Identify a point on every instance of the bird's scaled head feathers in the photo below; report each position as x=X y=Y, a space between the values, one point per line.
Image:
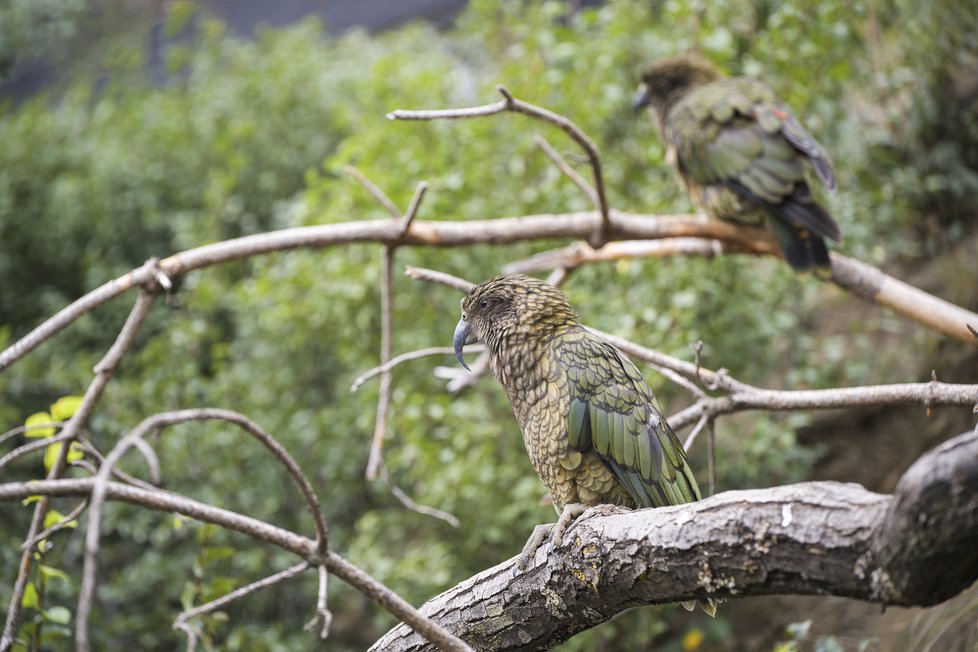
x=666 y=81
x=511 y=306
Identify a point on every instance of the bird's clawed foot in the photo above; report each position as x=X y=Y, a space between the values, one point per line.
x=552 y=532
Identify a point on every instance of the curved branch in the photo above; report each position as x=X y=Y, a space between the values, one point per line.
x=297 y=544
x=810 y=538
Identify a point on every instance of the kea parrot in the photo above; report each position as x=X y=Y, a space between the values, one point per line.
x=588 y=417
x=741 y=154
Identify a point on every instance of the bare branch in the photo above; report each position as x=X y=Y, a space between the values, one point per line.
x=19 y=430
x=432 y=276
x=568 y=171
x=323 y=618
x=386 y=351
x=374 y=190
x=153 y=424
x=103 y=373
x=581 y=253
x=812 y=538
x=304 y=547
x=406 y=357
x=413 y=207
x=440 y=233
x=510 y=103
x=408 y=502
x=57 y=527
x=254 y=587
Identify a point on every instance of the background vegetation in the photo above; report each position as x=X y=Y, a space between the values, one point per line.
x=122 y=160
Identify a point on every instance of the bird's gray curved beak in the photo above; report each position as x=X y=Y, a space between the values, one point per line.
x=461 y=339
x=641 y=98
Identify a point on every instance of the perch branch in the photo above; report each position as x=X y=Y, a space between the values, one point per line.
x=742 y=396
x=438 y=233
x=812 y=538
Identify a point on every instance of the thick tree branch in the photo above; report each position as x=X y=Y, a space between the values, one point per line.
x=813 y=538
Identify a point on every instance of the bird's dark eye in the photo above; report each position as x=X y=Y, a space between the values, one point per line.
x=484 y=304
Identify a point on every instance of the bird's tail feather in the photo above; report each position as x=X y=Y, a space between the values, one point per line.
x=802 y=249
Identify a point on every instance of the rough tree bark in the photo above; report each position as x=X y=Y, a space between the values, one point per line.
x=917 y=547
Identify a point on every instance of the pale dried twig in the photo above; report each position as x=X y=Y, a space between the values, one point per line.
x=510 y=103
x=408 y=502
x=406 y=357
x=181 y=621
x=323 y=617
x=386 y=350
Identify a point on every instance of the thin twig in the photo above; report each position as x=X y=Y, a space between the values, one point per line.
x=433 y=276
x=57 y=527
x=413 y=207
x=13 y=432
x=374 y=190
x=406 y=357
x=32 y=446
x=323 y=617
x=304 y=547
x=510 y=103
x=375 y=460
x=181 y=621
x=408 y=502
x=694 y=433
x=711 y=454
x=103 y=372
x=581 y=253
x=568 y=171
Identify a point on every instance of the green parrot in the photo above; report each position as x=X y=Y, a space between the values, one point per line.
x=588 y=417
x=741 y=154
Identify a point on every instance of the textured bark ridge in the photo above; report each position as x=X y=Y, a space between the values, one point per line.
x=917 y=547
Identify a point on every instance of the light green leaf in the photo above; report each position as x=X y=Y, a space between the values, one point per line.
x=59 y=615
x=36 y=425
x=65 y=407
x=51 y=573
x=30 y=599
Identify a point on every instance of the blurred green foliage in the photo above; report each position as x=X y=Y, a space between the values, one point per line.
x=108 y=169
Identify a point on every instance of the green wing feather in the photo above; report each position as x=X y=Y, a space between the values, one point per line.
x=612 y=411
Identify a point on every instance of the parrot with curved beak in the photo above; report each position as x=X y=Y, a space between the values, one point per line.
x=741 y=154
x=587 y=415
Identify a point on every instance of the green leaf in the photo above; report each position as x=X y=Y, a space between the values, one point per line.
x=51 y=573
x=31 y=499
x=52 y=452
x=36 y=425
x=30 y=600
x=215 y=553
x=65 y=407
x=58 y=614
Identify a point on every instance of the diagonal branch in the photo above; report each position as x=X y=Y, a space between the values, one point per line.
x=297 y=544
